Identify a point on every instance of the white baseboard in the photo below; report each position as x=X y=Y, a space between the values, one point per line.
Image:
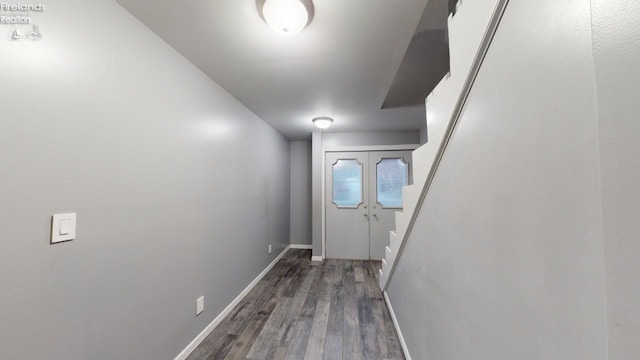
x=317 y=258
x=397 y=326
x=301 y=246
x=207 y=330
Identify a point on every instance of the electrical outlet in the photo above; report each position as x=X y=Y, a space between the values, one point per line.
x=269 y=248
x=199 y=305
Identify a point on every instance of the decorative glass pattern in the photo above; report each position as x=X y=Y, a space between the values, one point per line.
x=391 y=176
x=347 y=183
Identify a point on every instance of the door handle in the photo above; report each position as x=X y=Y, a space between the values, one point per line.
x=374 y=213
x=366 y=215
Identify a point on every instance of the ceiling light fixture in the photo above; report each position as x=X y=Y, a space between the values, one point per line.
x=286 y=17
x=322 y=122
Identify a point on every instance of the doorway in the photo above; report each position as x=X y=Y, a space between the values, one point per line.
x=363 y=192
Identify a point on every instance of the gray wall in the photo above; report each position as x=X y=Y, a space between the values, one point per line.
x=316 y=195
x=323 y=140
x=506 y=258
x=423 y=136
x=370 y=138
x=300 y=193
x=179 y=189
x=616 y=38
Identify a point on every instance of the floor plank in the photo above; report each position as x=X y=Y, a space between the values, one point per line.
x=351 y=340
x=263 y=343
x=300 y=339
x=243 y=344
x=332 y=310
x=315 y=345
x=287 y=330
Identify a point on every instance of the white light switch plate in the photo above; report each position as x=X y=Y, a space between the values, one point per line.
x=63 y=227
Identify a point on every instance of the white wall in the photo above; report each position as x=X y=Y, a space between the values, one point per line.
x=300 y=208
x=506 y=258
x=616 y=38
x=179 y=190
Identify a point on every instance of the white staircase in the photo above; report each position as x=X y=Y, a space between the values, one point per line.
x=466 y=33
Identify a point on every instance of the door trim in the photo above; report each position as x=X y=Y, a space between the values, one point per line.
x=326 y=150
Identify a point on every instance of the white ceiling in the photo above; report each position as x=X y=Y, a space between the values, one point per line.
x=341 y=66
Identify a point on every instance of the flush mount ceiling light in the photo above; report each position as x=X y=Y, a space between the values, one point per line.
x=322 y=122
x=286 y=17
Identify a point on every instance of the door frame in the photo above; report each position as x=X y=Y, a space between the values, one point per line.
x=369 y=148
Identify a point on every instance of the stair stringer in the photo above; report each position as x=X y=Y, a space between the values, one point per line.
x=466 y=33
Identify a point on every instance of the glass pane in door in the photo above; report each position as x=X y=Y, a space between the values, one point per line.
x=391 y=176
x=347 y=183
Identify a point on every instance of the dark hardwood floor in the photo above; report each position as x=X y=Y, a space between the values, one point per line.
x=301 y=311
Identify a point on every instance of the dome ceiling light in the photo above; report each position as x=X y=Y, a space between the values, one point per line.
x=286 y=17
x=322 y=122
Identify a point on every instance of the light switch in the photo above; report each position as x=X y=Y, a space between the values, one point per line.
x=199 y=305
x=63 y=227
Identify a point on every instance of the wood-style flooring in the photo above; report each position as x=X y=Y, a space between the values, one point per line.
x=302 y=310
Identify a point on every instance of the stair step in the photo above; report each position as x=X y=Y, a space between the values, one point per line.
x=394 y=241
x=390 y=255
x=401 y=223
x=385 y=265
x=421 y=165
x=409 y=198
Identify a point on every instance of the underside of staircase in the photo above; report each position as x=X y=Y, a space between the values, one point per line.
x=468 y=30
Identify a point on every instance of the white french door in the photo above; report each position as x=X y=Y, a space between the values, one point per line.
x=363 y=191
